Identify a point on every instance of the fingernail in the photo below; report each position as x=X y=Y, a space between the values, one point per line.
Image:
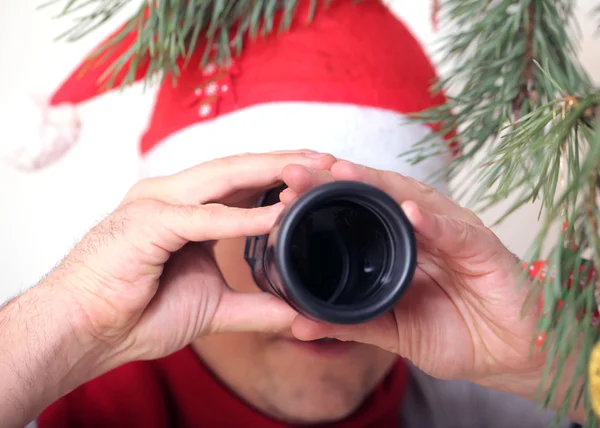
x=316 y=155
x=276 y=206
x=411 y=210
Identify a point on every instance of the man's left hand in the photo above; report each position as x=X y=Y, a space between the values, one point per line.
x=462 y=316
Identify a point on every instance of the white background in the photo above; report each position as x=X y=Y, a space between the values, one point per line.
x=43 y=214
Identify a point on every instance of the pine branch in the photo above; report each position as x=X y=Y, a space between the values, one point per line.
x=492 y=78
x=568 y=319
x=522 y=103
x=171 y=30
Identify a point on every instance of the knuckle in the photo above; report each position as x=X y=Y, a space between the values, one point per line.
x=424 y=189
x=212 y=212
x=468 y=231
x=466 y=214
x=472 y=234
x=139 y=189
x=385 y=180
x=291 y=152
x=141 y=209
x=392 y=179
x=395 y=182
x=187 y=210
x=242 y=155
x=231 y=160
x=228 y=163
x=139 y=218
x=144 y=183
x=473 y=218
x=208 y=165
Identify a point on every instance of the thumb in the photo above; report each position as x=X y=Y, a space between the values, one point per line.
x=252 y=312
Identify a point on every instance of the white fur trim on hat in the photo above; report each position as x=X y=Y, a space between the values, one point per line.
x=364 y=135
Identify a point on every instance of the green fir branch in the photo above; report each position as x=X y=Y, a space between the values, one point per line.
x=171 y=30
x=569 y=295
x=494 y=80
x=525 y=109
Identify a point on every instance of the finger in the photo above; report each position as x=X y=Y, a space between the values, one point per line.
x=174 y=226
x=229 y=175
x=457 y=239
x=301 y=179
x=403 y=188
x=214 y=180
x=252 y=312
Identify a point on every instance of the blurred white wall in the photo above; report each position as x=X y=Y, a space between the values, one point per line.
x=43 y=214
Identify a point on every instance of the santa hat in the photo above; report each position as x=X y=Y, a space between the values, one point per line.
x=346 y=83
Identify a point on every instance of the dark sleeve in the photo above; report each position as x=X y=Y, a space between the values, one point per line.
x=437 y=403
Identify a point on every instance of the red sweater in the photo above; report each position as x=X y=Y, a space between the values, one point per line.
x=179 y=391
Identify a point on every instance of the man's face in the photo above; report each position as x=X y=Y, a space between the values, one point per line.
x=295 y=381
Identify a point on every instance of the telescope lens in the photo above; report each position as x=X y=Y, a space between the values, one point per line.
x=338 y=251
x=344 y=252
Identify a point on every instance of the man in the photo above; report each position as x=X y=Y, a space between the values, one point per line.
x=154 y=320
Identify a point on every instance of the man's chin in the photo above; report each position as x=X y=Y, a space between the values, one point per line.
x=296 y=382
x=315 y=413
x=332 y=390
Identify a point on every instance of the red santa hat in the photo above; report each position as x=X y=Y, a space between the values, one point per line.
x=346 y=83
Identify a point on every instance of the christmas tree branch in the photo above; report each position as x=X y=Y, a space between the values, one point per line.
x=569 y=320
x=492 y=81
x=525 y=112
x=169 y=31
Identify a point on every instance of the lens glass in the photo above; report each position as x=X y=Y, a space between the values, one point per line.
x=339 y=251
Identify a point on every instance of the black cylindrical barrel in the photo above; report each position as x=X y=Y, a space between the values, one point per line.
x=342 y=253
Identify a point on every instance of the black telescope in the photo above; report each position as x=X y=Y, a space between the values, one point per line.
x=342 y=253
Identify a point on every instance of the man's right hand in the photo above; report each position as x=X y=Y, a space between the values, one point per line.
x=118 y=297
x=113 y=274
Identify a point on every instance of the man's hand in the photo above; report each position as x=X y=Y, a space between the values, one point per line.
x=122 y=295
x=462 y=316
